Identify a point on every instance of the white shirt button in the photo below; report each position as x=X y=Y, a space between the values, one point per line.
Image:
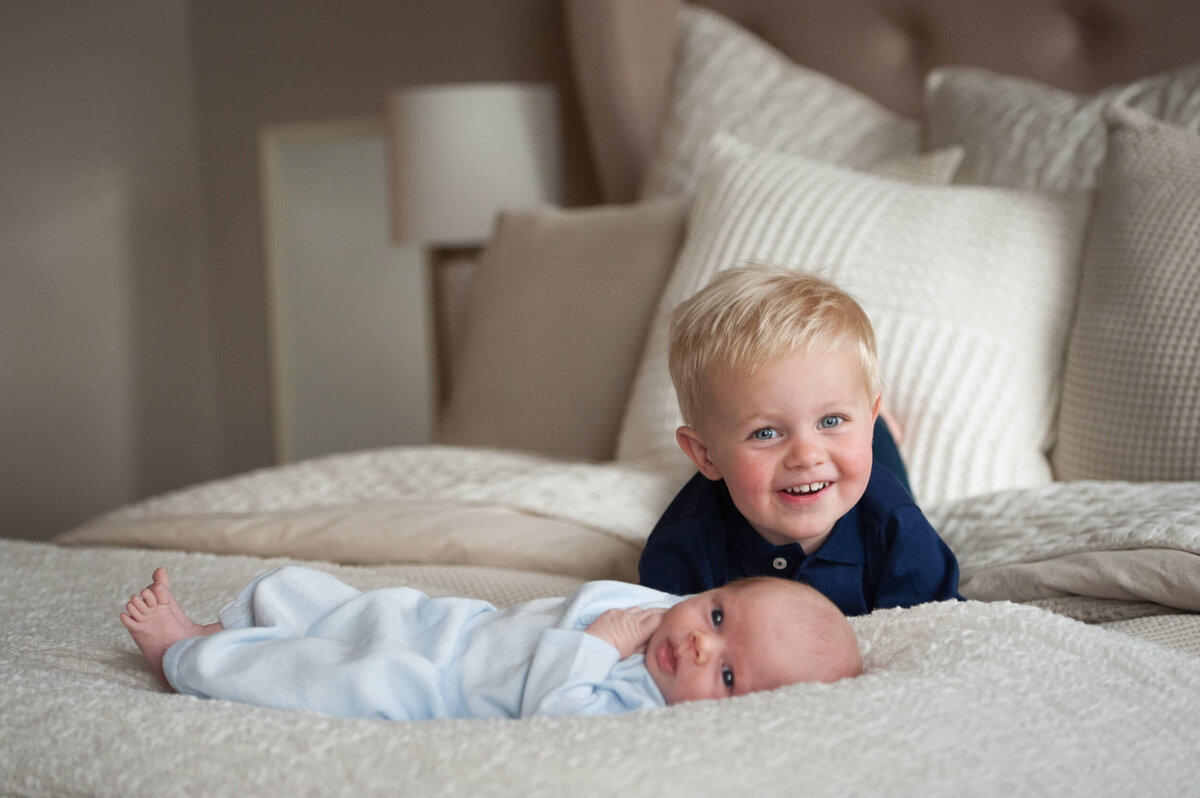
x=780 y=563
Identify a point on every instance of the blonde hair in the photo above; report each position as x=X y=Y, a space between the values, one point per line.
x=752 y=314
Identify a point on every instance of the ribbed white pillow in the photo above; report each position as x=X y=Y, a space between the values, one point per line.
x=1020 y=133
x=728 y=80
x=970 y=290
x=1131 y=397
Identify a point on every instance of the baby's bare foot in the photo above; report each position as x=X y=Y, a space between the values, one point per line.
x=156 y=621
x=161 y=588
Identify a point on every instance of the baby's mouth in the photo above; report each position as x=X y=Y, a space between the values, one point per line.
x=666 y=657
x=808 y=489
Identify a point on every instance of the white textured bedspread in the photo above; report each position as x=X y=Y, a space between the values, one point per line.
x=981 y=699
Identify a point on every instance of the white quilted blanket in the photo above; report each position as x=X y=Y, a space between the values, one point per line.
x=958 y=699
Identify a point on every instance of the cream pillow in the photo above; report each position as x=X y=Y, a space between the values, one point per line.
x=1131 y=397
x=726 y=79
x=1020 y=133
x=970 y=291
x=555 y=323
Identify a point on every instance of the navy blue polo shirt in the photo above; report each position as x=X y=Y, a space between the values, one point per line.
x=882 y=553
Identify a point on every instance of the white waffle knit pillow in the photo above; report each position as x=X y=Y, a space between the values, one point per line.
x=1020 y=133
x=1131 y=398
x=728 y=80
x=970 y=290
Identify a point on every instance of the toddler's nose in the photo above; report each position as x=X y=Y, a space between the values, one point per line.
x=805 y=452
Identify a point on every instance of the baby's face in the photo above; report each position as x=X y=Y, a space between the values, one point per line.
x=727 y=642
x=792 y=442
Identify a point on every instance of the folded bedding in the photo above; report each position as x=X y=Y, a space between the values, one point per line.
x=1135 y=541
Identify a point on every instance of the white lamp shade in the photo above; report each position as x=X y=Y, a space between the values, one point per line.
x=459 y=153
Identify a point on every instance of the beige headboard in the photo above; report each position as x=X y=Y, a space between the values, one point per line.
x=622 y=51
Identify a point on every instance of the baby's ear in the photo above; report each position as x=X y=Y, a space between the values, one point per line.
x=693 y=446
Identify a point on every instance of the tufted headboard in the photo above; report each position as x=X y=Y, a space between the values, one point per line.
x=622 y=52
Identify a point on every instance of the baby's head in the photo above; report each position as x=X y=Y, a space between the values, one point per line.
x=750 y=635
x=777 y=378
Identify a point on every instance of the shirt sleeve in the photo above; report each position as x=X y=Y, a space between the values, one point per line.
x=918 y=566
x=572 y=674
x=675 y=560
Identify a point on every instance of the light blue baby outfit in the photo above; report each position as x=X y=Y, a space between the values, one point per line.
x=298 y=638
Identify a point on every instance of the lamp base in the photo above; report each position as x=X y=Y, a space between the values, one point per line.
x=451 y=271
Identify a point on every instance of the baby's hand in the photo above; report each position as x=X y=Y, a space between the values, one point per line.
x=627 y=631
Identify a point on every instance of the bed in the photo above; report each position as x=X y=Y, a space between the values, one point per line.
x=1012 y=190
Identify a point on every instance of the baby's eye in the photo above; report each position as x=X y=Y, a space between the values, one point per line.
x=717 y=617
x=727 y=677
x=765 y=434
x=829 y=422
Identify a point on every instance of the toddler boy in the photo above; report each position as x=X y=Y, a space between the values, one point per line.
x=777 y=378
x=297 y=638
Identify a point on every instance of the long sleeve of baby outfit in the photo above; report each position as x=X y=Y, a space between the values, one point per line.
x=575 y=673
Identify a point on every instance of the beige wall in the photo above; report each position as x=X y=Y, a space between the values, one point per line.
x=105 y=324
x=133 y=352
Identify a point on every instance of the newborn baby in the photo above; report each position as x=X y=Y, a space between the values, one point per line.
x=298 y=638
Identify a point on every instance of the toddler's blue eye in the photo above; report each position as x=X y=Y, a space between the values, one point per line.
x=717 y=616
x=764 y=434
x=727 y=677
x=829 y=422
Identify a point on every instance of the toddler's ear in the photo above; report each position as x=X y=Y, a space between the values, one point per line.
x=890 y=420
x=689 y=440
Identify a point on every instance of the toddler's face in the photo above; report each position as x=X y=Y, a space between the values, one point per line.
x=792 y=442
x=727 y=642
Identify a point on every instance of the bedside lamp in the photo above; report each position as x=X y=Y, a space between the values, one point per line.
x=457 y=154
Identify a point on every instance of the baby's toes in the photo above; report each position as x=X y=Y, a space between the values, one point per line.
x=160 y=592
x=136 y=608
x=149 y=598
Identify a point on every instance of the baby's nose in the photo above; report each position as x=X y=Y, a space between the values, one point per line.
x=702 y=646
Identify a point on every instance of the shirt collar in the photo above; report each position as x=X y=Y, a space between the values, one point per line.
x=843 y=545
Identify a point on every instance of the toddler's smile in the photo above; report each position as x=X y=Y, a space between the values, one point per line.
x=808 y=489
